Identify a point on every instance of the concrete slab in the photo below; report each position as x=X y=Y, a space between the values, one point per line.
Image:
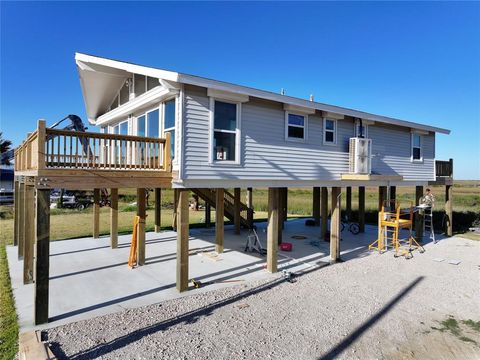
x=88 y=278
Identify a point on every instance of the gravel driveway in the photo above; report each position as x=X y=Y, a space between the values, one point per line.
x=371 y=307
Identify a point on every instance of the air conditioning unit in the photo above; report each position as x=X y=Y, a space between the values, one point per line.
x=360 y=159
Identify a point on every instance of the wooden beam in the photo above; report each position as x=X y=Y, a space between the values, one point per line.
x=418 y=216
x=316 y=205
x=272 y=231
x=182 y=240
x=15 y=213
x=236 y=215
x=114 y=218
x=29 y=211
x=449 y=207
x=21 y=220
x=382 y=196
x=175 y=205
x=348 y=206
x=219 y=220
x=335 y=225
x=208 y=215
x=158 y=209
x=141 y=212
x=96 y=213
x=324 y=212
x=393 y=193
x=42 y=257
x=361 y=208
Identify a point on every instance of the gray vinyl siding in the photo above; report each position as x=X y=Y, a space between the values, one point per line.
x=266 y=155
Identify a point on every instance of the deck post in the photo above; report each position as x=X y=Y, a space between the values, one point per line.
x=42 y=256
x=324 y=212
x=335 y=225
x=182 y=240
x=208 y=215
x=418 y=216
x=393 y=193
x=21 y=219
x=236 y=217
x=272 y=230
x=316 y=205
x=96 y=213
x=449 y=208
x=114 y=218
x=29 y=213
x=361 y=208
x=29 y=237
x=158 y=209
x=141 y=213
x=15 y=212
x=348 y=206
x=219 y=220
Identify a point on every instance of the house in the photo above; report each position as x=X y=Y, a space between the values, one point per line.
x=165 y=129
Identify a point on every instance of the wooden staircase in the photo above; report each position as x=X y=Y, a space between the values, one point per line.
x=246 y=213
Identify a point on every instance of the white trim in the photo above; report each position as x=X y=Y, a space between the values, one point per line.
x=237 y=132
x=325 y=132
x=227 y=96
x=411 y=147
x=304 y=127
x=153 y=96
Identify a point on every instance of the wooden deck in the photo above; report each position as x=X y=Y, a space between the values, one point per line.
x=85 y=160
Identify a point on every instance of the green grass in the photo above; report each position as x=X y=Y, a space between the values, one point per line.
x=8 y=316
x=450 y=324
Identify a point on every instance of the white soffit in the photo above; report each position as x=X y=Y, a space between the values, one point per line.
x=331 y=115
x=225 y=95
x=298 y=109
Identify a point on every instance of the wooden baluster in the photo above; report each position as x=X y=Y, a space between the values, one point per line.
x=76 y=151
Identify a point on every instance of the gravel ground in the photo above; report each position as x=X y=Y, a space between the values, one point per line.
x=371 y=307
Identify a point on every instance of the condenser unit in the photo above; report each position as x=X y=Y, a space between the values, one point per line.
x=360 y=159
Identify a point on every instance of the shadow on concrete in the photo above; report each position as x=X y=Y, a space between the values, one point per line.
x=188 y=318
x=343 y=345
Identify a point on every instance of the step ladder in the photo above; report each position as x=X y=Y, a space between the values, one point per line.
x=428 y=223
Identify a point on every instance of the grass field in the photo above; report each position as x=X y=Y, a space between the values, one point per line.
x=66 y=223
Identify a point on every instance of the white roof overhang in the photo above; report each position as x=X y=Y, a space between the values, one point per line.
x=101 y=78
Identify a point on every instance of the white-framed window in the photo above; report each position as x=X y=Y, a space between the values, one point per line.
x=169 y=115
x=417 y=153
x=295 y=127
x=329 y=131
x=148 y=123
x=361 y=129
x=225 y=131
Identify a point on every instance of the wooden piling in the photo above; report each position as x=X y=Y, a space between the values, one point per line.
x=449 y=208
x=141 y=213
x=393 y=193
x=29 y=213
x=348 y=205
x=42 y=257
x=361 y=208
x=236 y=217
x=96 y=213
x=219 y=220
x=418 y=216
x=324 y=212
x=208 y=215
x=15 y=213
x=335 y=225
x=182 y=240
x=158 y=209
x=250 y=206
x=272 y=231
x=21 y=220
x=316 y=205
x=114 y=218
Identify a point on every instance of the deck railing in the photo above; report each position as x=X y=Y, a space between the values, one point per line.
x=444 y=168
x=63 y=149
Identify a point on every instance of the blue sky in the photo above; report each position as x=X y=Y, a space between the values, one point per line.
x=414 y=61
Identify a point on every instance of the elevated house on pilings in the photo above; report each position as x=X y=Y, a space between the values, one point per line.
x=164 y=129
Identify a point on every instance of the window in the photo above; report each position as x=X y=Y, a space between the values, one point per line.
x=416 y=147
x=329 y=132
x=139 y=84
x=225 y=130
x=361 y=129
x=152 y=83
x=169 y=123
x=295 y=127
